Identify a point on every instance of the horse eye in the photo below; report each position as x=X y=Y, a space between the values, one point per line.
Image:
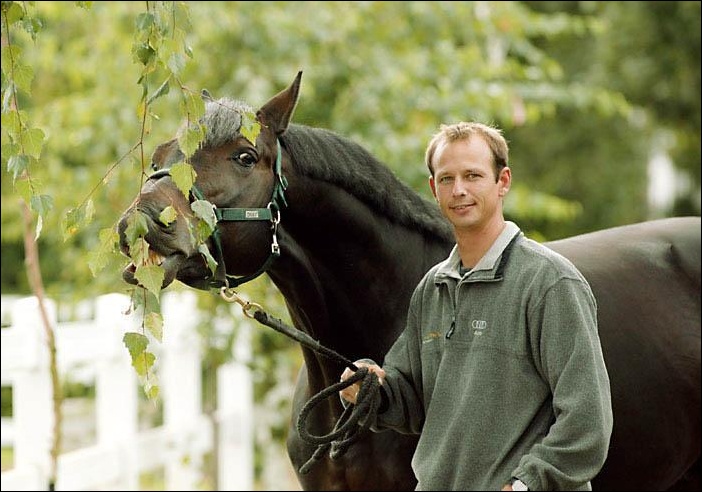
x=245 y=159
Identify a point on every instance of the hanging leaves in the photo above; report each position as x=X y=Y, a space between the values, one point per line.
x=142 y=360
x=17 y=165
x=151 y=277
x=159 y=45
x=153 y=322
x=100 y=256
x=183 y=175
x=167 y=215
x=25 y=142
x=250 y=127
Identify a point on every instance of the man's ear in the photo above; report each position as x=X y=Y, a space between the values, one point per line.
x=505 y=181
x=432 y=185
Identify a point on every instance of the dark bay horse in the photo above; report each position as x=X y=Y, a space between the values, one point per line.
x=354 y=242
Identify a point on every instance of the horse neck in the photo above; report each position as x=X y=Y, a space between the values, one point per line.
x=347 y=273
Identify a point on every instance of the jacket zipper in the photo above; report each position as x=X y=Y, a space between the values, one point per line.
x=451 y=328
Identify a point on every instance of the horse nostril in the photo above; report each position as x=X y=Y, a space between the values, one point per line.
x=123 y=246
x=121 y=231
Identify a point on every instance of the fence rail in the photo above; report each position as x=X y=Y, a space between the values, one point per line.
x=122 y=452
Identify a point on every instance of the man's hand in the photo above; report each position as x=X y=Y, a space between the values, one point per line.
x=350 y=394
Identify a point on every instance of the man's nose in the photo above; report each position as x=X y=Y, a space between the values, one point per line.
x=459 y=188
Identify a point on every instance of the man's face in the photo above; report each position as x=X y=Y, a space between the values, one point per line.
x=464 y=183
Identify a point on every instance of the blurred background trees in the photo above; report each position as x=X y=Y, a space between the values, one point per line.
x=589 y=94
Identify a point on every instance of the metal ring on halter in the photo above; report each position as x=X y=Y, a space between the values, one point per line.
x=275 y=218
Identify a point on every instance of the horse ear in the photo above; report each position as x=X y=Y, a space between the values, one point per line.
x=276 y=113
x=166 y=154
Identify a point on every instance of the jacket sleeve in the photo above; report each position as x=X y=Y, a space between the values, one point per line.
x=567 y=353
x=402 y=408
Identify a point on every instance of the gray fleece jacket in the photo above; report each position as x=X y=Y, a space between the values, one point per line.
x=501 y=371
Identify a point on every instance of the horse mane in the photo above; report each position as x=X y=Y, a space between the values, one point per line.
x=325 y=155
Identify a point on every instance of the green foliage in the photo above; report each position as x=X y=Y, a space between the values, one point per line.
x=100 y=256
x=145 y=301
x=137 y=226
x=76 y=218
x=193 y=107
x=22 y=144
x=135 y=343
x=6 y=401
x=205 y=211
x=167 y=215
x=250 y=127
x=384 y=73
x=649 y=54
x=151 y=277
x=153 y=322
x=183 y=175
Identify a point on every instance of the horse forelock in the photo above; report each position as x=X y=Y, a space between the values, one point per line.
x=322 y=154
x=222 y=121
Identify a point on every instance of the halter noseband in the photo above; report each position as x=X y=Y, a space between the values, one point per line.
x=270 y=213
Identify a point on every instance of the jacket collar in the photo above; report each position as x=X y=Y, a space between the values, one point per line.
x=491 y=265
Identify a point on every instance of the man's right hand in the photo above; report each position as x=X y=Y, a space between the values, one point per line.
x=350 y=394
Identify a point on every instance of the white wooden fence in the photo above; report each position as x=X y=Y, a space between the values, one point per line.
x=122 y=452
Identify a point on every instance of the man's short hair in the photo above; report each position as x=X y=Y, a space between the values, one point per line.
x=465 y=131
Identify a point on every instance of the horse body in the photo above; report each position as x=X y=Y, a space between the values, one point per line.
x=354 y=243
x=646 y=279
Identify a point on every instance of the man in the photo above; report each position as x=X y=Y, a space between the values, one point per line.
x=500 y=367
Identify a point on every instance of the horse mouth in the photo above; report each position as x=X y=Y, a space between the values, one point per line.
x=170 y=264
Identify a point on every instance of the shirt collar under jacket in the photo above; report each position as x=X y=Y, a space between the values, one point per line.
x=449 y=268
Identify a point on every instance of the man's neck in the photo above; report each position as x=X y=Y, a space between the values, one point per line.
x=474 y=243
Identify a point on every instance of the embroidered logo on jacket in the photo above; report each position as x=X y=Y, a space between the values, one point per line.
x=478 y=326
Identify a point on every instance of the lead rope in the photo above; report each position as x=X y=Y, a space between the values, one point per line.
x=354 y=419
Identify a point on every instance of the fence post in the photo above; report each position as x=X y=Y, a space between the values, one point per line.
x=116 y=386
x=235 y=413
x=180 y=377
x=32 y=391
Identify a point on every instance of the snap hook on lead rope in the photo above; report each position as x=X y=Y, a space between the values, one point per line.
x=230 y=295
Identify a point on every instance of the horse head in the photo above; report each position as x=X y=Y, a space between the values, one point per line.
x=241 y=179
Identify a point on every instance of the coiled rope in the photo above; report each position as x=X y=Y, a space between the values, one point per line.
x=355 y=418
